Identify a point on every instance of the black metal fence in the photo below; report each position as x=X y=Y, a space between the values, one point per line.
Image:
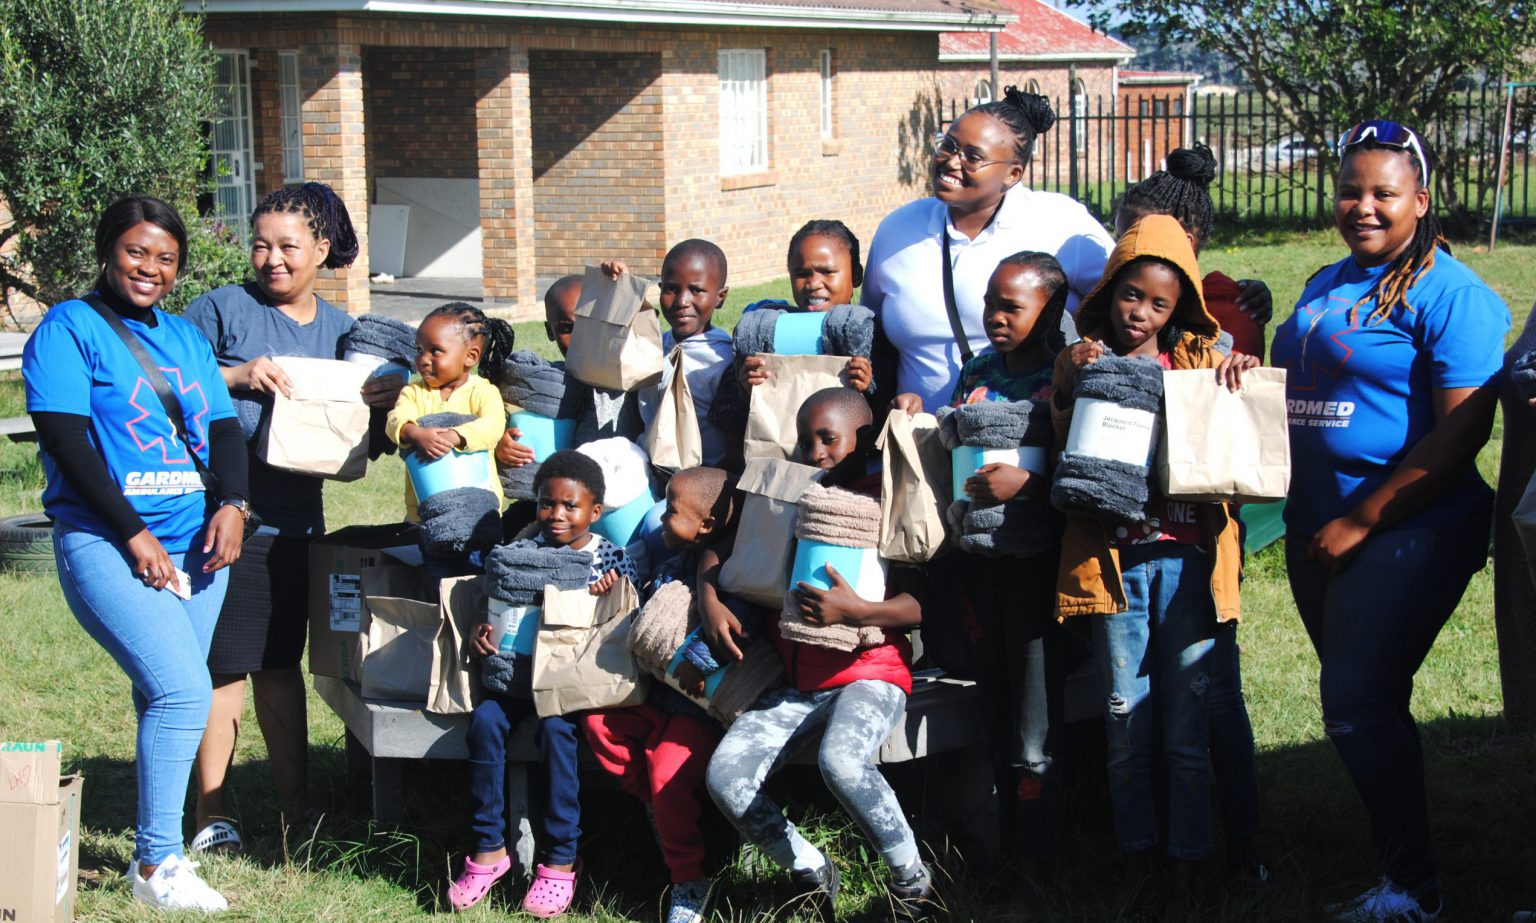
x=1268 y=173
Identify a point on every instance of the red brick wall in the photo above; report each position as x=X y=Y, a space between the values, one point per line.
x=597 y=159
x=266 y=121
x=661 y=144
x=1146 y=138
x=419 y=106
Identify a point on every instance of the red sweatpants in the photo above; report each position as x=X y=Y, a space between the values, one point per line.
x=659 y=758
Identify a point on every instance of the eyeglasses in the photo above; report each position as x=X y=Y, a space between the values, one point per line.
x=1387 y=134
x=944 y=147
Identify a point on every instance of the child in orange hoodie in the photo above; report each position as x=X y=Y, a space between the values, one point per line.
x=1156 y=589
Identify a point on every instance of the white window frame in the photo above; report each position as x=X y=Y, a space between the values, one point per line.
x=743 y=111
x=983 y=93
x=230 y=165
x=826 y=93
x=1080 y=110
x=291 y=117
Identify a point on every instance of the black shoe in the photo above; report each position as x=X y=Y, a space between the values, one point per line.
x=817 y=891
x=911 y=902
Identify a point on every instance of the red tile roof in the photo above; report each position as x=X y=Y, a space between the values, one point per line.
x=1040 y=32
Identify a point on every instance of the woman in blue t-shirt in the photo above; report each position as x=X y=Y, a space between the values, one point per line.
x=141 y=548
x=295 y=232
x=1393 y=356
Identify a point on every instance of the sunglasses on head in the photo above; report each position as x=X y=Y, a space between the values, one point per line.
x=1387 y=134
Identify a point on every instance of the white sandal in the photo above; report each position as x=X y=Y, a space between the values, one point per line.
x=218 y=835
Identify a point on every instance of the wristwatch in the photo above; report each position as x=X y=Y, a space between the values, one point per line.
x=239 y=503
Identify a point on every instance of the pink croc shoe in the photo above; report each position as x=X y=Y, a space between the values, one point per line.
x=472 y=886
x=551 y=892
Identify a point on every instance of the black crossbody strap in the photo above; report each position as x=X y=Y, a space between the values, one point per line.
x=955 y=327
x=156 y=379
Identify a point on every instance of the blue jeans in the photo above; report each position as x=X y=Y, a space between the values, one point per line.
x=1152 y=660
x=161 y=642
x=1372 y=624
x=559 y=786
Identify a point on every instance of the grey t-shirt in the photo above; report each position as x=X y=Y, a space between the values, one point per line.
x=242 y=325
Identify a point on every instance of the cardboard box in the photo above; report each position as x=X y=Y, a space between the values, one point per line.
x=39 y=833
x=336 y=564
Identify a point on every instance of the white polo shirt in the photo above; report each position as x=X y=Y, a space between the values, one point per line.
x=904 y=282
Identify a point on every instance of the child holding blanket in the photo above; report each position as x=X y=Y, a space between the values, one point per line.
x=849 y=677
x=659 y=750
x=1155 y=586
x=570 y=491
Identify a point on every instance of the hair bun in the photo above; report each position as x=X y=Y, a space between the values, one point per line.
x=1035 y=108
x=1195 y=164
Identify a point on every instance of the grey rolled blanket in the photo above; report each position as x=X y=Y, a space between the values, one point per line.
x=444 y=420
x=846 y=330
x=516 y=574
x=1523 y=375
x=1103 y=488
x=537 y=386
x=836 y=517
x=1023 y=526
x=457 y=520
x=377 y=335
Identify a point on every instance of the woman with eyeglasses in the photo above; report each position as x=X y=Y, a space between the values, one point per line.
x=980 y=212
x=926 y=278
x=1394 y=358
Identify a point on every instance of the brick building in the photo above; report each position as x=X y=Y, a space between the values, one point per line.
x=1160 y=106
x=1042 y=51
x=528 y=138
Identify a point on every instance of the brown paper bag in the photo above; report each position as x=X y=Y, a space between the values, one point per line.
x=914 y=487
x=322 y=428
x=775 y=403
x=454 y=687
x=1223 y=445
x=616 y=339
x=672 y=439
x=397 y=635
x=758 y=568
x=581 y=658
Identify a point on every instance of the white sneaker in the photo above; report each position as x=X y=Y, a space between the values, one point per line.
x=175 y=885
x=1385 y=903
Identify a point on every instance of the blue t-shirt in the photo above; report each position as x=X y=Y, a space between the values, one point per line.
x=242 y=326
x=1361 y=395
x=74 y=363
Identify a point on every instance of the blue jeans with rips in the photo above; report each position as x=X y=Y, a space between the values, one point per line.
x=1153 y=663
x=1372 y=624
x=161 y=642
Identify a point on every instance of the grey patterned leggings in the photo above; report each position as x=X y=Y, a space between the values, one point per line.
x=858 y=717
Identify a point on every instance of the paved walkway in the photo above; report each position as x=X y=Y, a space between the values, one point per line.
x=410 y=299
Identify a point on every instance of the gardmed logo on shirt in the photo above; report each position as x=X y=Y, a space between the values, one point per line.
x=1330 y=414
x=161 y=483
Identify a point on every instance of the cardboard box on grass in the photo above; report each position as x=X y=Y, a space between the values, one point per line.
x=39 y=833
x=336 y=563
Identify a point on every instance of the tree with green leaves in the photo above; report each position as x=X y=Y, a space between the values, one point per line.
x=1326 y=64
x=99 y=99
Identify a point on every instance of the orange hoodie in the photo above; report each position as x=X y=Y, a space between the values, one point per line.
x=1089 y=579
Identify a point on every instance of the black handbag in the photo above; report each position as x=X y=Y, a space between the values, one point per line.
x=169 y=402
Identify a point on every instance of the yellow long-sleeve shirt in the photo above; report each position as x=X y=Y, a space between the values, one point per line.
x=477 y=396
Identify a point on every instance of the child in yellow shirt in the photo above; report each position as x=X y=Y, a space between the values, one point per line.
x=450 y=342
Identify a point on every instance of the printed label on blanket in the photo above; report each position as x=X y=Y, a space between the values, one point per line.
x=861 y=567
x=967 y=460
x=513 y=628
x=1102 y=429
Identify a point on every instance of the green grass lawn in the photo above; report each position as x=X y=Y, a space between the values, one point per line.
x=57 y=683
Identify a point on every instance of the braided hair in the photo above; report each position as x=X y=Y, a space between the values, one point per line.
x=1391 y=290
x=495 y=335
x=1180 y=191
x=1027 y=115
x=324 y=213
x=831 y=227
x=1053 y=279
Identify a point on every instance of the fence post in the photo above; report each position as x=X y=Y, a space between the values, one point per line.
x=1072 y=129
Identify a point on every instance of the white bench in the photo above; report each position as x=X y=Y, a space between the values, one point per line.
x=942 y=716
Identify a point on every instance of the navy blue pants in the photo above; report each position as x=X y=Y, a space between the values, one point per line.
x=490 y=725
